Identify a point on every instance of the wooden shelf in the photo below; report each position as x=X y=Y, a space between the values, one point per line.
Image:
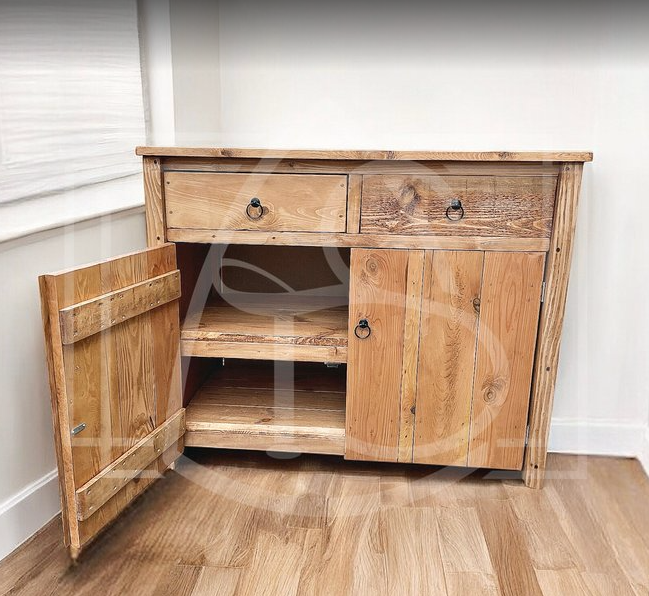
x=247 y=405
x=312 y=329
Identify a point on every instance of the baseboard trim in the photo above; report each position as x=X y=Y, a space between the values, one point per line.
x=643 y=454
x=596 y=437
x=26 y=512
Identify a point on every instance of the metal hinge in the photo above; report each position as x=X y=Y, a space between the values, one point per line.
x=77 y=429
x=527 y=435
x=543 y=292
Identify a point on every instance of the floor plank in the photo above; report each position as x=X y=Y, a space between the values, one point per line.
x=242 y=523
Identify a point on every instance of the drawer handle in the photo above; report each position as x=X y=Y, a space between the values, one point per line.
x=254 y=210
x=363 y=329
x=455 y=211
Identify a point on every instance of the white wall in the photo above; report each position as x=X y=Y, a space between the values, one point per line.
x=409 y=76
x=29 y=489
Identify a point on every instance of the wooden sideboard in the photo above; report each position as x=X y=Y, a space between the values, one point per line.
x=381 y=306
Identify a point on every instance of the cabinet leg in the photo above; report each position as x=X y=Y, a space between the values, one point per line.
x=74 y=553
x=534 y=473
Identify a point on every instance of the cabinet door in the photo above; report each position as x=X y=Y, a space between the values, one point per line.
x=385 y=292
x=447 y=348
x=442 y=370
x=112 y=336
x=478 y=333
x=509 y=314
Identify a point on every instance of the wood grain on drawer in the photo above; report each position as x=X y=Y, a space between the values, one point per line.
x=517 y=206
x=290 y=202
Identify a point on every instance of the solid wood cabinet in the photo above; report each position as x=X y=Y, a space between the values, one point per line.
x=381 y=306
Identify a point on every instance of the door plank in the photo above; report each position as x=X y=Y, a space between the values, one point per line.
x=449 y=329
x=378 y=294
x=410 y=353
x=165 y=324
x=132 y=382
x=509 y=311
x=88 y=383
x=59 y=403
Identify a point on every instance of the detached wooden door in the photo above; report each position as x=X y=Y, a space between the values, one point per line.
x=112 y=336
x=441 y=372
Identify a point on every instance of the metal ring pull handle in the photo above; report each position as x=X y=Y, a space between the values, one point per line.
x=363 y=329
x=254 y=210
x=455 y=211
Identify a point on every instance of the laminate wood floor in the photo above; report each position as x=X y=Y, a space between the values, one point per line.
x=244 y=523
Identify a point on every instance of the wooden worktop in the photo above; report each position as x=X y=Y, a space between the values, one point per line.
x=505 y=156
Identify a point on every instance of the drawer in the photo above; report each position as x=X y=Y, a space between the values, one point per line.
x=520 y=206
x=268 y=202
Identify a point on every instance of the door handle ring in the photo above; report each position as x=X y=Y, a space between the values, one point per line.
x=363 y=329
x=255 y=203
x=456 y=209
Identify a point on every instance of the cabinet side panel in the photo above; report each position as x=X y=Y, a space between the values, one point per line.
x=509 y=311
x=447 y=352
x=551 y=323
x=378 y=294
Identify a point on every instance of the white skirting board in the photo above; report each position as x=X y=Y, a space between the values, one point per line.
x=597 y=437
x=26 y=512
x=643 y=455
x=22 y=515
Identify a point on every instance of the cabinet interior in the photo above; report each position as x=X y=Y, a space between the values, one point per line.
x=264 y=341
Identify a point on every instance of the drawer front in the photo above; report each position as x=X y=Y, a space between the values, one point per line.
x=268 y=202
x=520 y=206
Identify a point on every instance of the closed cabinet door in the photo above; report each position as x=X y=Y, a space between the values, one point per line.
x=377 y=318
x=448 y=355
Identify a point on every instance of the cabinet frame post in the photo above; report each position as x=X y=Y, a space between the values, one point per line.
x=154 y=202
x=551 y=323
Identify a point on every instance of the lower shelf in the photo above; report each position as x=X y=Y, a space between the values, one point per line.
x=244 y=406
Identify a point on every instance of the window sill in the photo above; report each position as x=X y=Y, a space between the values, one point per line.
x=22 y=218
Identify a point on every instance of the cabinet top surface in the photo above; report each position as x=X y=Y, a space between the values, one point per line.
x=504 y=156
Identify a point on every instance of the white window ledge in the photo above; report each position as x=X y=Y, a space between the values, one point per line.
x=22 y=218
